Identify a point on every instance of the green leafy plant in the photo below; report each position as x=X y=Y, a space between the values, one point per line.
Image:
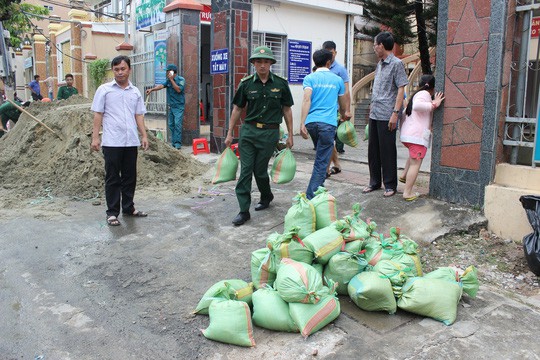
x=16 y=17
x=98 y=71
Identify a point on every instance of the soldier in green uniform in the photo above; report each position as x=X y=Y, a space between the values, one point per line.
x=67 y=90
x=268 y=100
x=9 y=112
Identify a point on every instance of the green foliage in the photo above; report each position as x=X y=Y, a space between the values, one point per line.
x=98 y=71
x=396 y=16
x=390 y=15
x=16 y=18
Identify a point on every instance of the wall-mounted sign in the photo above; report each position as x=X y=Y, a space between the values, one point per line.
x=149 y=13
x=535 y=27
x=28 y=62
x=219 y=61
x=299 y=60
x=160 y=56
x=206 y=14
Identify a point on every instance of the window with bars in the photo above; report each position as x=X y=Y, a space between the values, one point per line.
x=276 y=43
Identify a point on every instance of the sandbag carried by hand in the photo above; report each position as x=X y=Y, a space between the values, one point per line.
x=346 y=133
x=226 y=167
x=283 y=167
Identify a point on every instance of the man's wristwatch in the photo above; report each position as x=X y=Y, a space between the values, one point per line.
x=395 y=111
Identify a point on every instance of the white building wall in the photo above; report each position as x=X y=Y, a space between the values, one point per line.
x=307 y=24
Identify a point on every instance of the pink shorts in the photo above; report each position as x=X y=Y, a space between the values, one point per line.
x=416 y=151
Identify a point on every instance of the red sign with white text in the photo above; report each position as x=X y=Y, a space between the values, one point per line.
x=206 y=14
x=535 y=27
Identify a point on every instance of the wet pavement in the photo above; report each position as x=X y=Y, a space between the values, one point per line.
x=73 y=288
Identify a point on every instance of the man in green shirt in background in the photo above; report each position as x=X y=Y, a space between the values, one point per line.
x=67 y=90
x=268 y=100
x=8 y=111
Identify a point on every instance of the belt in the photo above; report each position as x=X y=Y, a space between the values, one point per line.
x=262 y=125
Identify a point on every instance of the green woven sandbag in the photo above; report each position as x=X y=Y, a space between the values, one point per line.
x=271 y=312
x=325 y=208
x=434 y=298
x=283 y=167
x=319 y=268
x=354 y=228
x=289 y=245
x=354 y=246
x=371 y=292
x=301 y=214
x=226 y=167
x=366 y=132
x=227 y=289
x=263 y=267
x=346 y=133
x=298 y=282
x=468 y=278
x=310 y=318
x=324 y=243
x=394 y=271
x=230 y=323
x=342 y=267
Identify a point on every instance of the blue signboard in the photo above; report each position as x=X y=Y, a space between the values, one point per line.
x=299 y=60
x=160 y=56
x=219 y=61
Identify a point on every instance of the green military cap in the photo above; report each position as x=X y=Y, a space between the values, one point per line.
x=262 y=52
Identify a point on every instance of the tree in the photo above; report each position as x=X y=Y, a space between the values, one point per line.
x=396 y=16
x=16 y=18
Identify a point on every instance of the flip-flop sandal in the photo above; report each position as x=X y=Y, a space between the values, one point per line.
x=412 y=198
x=402 y=180
x=369 y=189
x=389 y=192
x=136 y=213
x=328 y=175
x=335 y=170
x=113 y=221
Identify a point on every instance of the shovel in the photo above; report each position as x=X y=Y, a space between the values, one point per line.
x=34 y=118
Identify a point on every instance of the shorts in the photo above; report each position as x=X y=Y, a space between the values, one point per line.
x=416 y=151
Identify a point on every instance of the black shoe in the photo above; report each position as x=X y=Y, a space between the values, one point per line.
x=241 y=218
x=263 y=204
x=341 y=151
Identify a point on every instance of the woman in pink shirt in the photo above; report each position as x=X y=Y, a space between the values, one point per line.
x=415 y=130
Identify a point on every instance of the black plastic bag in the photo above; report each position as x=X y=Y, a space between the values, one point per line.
x=531 y=242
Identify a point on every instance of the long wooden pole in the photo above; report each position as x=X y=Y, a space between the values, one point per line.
x=34 y=118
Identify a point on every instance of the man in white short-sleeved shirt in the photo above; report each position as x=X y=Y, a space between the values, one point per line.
x=119 y=107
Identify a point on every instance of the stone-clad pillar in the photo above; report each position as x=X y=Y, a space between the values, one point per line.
x=77 y=16
x=183 y=49
x=231 y=29
x=54 y=26
x=470 y=55
x=40 y=64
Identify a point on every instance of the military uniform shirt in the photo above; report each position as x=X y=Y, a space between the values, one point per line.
x=65 y=92
x=9 y=112
x=264 y=101
x=174 y=98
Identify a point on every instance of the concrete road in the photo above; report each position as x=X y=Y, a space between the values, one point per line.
x=73 y=288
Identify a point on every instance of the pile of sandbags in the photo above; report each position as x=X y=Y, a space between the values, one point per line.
x=296 y=278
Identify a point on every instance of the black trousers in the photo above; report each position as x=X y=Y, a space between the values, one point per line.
x=382 y=155
x=120 y=178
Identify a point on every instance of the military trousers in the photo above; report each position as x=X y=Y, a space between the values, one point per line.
x=256 y=147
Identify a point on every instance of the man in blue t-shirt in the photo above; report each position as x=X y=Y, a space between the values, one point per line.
x=35 y=89
x=323 y=90
x=175 y=85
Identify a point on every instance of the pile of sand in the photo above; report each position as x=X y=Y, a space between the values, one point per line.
x=34 y=161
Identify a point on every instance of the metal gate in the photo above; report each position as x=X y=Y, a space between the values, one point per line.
x=522 y=107
x=142 y=76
